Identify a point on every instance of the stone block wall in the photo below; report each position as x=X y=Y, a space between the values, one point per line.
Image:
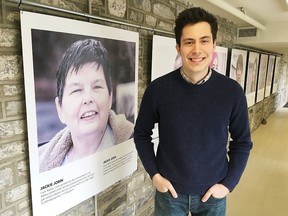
x=133 y=195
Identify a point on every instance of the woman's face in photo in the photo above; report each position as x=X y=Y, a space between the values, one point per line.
x=238 y=73
x=86 y=101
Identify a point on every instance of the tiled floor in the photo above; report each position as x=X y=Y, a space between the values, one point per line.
x=263 y=189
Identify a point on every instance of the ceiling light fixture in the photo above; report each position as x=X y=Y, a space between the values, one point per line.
x=243 y=10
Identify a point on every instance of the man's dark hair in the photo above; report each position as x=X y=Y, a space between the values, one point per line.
x=78 y=54
x=192 y=16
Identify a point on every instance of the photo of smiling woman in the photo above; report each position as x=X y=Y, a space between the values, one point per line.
x=84 y=102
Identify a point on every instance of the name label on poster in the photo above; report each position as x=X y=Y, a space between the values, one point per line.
x=110 y=159
x=51 y=184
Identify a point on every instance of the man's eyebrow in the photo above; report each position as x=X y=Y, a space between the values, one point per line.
x=207 y=36
x=204 y=37
x=188 y=38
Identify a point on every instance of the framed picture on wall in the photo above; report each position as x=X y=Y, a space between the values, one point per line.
x=78 y=76
x=262 y=72
x=164 y=56
x=237 y=69
x=219 y=60
x=251 y=77
x=270 y=71
x=276 y=75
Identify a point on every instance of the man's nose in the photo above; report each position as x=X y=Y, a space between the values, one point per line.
x=196 y=47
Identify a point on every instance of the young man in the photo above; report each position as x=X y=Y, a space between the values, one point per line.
x=83 y=102
x=195 y=108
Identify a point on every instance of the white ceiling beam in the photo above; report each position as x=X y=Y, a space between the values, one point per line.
x=236 y=12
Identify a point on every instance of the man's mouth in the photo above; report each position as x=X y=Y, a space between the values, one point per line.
x=198 y=59
x=89 y=114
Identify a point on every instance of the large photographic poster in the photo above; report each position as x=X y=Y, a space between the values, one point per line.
x=262 y=72
x=81 y=100
x=238 y=66
x=164 y=56
x=219 y=59
x=270 y=72
x=252 y=71
x=276 y=75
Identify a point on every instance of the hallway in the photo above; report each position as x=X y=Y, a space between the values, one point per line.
x=263 y=189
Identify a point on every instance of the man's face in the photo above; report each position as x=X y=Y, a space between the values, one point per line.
x=196 y=48
x=86 y=101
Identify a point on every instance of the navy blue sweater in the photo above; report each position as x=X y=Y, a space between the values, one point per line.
x=194 y=121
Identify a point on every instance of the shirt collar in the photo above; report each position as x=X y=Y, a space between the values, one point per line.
x=202 y=81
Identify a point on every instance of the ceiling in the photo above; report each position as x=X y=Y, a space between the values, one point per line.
x=272 y=15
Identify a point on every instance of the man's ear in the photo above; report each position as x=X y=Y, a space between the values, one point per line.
x=59 y=110
x=177 y=48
